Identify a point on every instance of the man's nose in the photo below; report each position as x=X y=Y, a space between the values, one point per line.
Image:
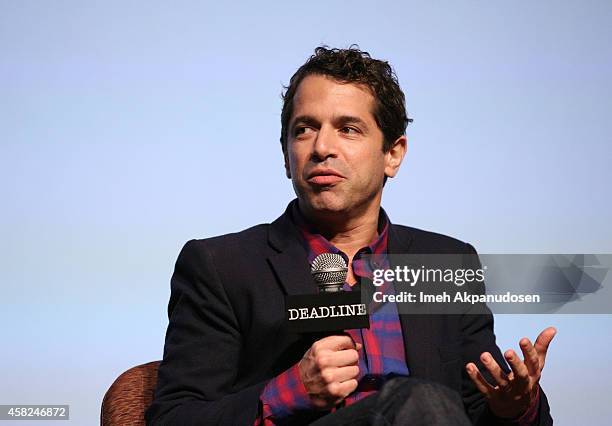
x=325 y=144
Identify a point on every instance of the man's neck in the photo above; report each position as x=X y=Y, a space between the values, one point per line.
x=347 y=232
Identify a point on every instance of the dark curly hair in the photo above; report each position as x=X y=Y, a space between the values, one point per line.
x=354 y=66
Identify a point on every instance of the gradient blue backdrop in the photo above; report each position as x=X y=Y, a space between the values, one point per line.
x=129 y=127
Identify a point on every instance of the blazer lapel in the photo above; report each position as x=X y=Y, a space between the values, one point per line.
x=416 y=329
x=289 y=263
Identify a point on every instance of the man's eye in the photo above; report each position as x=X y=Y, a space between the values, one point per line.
x=349 y=130
x=301 y=130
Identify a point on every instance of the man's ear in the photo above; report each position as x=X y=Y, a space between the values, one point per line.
x=287 y=169
x=394 y=157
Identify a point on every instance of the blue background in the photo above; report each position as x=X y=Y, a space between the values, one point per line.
x=128 y=128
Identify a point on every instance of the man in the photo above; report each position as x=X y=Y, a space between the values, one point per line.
x=229 y=357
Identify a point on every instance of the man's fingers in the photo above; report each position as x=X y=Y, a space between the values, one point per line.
x=481 y=383
x=343 y=389
x=326 y=359
x=542 y=342
x=498 y=374
x=532 y=361
x=520 y=370
x=342 y=374
x=333 y=343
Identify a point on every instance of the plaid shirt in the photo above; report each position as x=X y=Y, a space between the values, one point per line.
x=382 y=356
x=383 y=345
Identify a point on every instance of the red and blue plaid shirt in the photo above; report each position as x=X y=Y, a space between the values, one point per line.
x=383 y=346
x=383 y=353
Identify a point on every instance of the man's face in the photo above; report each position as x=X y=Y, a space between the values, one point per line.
x=334 y=153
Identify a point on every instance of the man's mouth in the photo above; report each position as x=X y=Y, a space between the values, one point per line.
x=324 y=177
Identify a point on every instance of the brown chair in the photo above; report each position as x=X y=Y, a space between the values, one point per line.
x=129 y=396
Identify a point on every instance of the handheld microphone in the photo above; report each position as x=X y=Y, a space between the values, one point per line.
x=332 y=309
x=329 y=272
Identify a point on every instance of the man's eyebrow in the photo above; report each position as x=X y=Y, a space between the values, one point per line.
x=349 y=119
x=309 y=120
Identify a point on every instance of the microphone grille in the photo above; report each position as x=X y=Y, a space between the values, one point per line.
x=329 y=272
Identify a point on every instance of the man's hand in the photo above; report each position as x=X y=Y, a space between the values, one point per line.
x=515 y=392
x=329 y=370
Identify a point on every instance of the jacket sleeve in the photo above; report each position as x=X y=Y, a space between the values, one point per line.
x=202 y=351
x=478 y=337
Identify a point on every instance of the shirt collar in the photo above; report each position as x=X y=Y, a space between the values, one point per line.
x=316 y=244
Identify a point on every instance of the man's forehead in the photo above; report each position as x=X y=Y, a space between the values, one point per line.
x=322 y=94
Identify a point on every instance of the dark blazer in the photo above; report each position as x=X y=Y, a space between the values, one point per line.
x=227 y=333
